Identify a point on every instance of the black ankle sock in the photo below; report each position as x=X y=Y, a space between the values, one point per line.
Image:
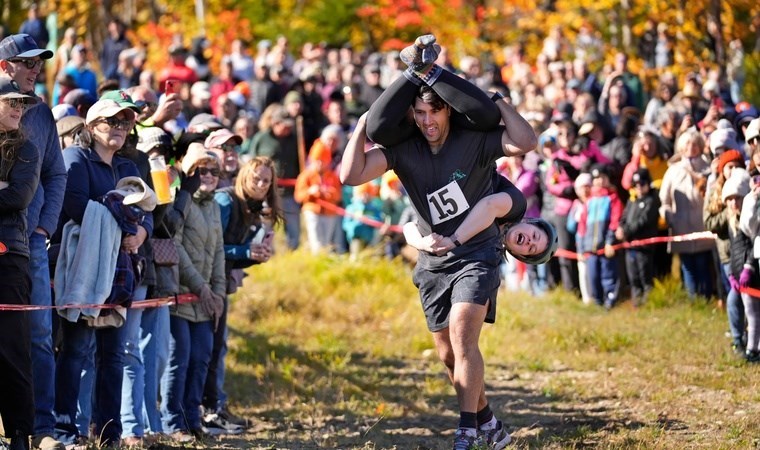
x=485 y=415
x=468 y=420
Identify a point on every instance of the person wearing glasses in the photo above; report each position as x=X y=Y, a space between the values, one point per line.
x=201 y=271
x=224 y=144
x=154 y=113
x=22 y=60
x=93 y=171
x=19 y=175
x=250 y=210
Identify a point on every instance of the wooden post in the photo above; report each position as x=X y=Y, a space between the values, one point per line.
x=301 y=144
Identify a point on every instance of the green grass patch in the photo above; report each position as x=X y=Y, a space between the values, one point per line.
x=337 y=346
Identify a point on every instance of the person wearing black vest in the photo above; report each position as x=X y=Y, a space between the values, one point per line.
x=249 y=211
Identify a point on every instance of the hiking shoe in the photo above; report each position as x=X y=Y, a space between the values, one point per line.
x=752 y=356
x=225 y=414
x=215 y=425
x=47 y=442
x=496 y=438
x=738 y=348
x=464 y=441
x=421 y=55
x=182 y=437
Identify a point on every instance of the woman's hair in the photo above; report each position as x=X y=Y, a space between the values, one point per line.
x=627 y=126
x=715 y=202
x=244 y=193
x=10 y=143
x=687 y=137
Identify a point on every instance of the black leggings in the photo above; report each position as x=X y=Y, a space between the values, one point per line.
x=388 y=123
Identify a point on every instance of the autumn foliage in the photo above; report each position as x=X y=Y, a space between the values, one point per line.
x=701 y=29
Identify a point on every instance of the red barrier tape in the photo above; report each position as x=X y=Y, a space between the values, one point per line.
x=365 y=220
x=564 y=253
x=178 y=299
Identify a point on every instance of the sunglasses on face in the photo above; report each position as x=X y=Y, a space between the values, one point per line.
x=15 y=103
x=206 y=171
x=228 y=147
x=142 y=104
x=120 y=124
x=29 y=63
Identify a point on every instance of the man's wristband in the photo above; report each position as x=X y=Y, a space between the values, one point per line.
x=496 y=96
x=455 y=240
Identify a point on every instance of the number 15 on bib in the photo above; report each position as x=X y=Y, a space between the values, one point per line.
x=446 y=203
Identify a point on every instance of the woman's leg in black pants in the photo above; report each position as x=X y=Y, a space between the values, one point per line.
x=389 y=123
x=16 y=395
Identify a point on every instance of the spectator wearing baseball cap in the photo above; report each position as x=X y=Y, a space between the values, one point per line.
x=94 y=171
x=20 y=57
x=22 y=61
x=154 y=141
x=639 y=221
x=224 y=143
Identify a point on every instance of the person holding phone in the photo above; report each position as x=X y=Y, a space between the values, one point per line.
x=249 y=210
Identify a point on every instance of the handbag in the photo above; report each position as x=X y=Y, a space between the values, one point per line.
x=164 y=252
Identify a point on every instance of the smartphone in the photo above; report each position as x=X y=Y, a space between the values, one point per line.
x=171 y=87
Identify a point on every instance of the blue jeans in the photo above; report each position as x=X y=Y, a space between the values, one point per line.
x=695 y=272
x=182 y=388
x=292 y=211
x=156 y=356
x=734 y=310
x=603 y=279
x=133 y=386
x=78 y=340
x=214 y=396
x=86 y=387
x=155 y=351
x=41 y=327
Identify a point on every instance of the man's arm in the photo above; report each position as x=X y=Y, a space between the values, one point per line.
x=53 y=180
x=358 y=167
x=518 y=137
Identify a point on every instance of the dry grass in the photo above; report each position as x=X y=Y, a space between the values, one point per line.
x=325 y=353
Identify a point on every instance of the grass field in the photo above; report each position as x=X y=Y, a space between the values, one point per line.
x=326 y=353
x=331 y=354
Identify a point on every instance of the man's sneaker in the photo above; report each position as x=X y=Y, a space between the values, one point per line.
x=752 y=356
x=464 y=441
x=215 y=425
x=47 y=442
x=225 y=414
x=496 y=438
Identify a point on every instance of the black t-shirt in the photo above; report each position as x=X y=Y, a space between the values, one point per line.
x=444 y=187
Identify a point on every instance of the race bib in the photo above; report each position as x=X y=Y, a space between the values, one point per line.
x=447 y=203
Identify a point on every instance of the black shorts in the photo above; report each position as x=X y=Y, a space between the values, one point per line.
x=472 y=279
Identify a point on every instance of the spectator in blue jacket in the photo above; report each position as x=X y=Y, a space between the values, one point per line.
x=364 y=204
x=17 y=53
x=93 y=171
x=601 y=218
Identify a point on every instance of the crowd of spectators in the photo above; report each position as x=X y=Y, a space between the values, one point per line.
x=257 y=142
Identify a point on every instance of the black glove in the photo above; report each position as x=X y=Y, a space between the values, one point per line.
x=190 y=183
x=568 y=192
